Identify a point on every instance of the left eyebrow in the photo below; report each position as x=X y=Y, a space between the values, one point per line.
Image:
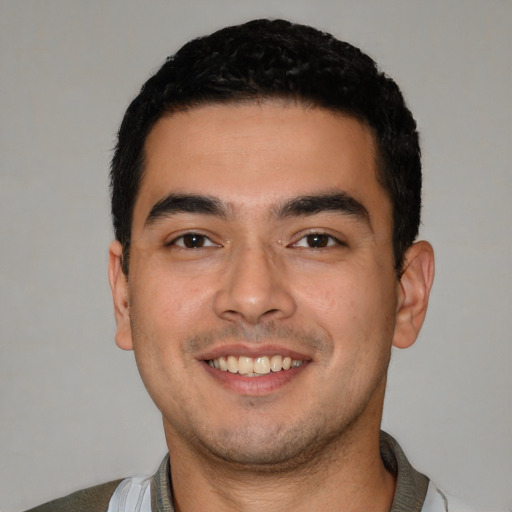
x=337 y=202
x=186 y=203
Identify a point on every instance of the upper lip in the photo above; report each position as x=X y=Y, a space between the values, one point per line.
x=252 y=350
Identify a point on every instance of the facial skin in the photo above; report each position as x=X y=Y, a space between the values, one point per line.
x=227 y=258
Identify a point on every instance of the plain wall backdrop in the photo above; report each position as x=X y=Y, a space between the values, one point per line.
x=73 y=411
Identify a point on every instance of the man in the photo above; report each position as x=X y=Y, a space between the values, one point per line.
x=266 y=199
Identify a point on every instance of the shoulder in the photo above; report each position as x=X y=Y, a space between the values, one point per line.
x=93 y=499
x=135 y=494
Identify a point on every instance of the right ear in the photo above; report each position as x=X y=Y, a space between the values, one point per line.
x=119 y=286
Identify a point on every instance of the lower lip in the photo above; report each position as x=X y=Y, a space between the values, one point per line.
x=255 y=386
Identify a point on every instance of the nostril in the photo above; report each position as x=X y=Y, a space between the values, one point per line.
x=252 y=296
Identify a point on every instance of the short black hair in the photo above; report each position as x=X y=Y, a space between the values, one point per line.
x=276 y=59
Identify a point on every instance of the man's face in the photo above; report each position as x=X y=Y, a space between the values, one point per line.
x=261 y=235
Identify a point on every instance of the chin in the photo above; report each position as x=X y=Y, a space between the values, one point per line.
x=264 y=449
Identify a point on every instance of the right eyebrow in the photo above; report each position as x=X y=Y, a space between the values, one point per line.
x=186 y=203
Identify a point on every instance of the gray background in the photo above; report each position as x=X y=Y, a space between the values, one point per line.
x=73 y=410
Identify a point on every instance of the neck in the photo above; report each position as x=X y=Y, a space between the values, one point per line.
x=349 y=471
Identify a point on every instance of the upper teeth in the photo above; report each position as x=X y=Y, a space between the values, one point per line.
x=254 y=366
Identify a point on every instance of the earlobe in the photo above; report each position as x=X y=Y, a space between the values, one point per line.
x=119 y=286
x=415 y=285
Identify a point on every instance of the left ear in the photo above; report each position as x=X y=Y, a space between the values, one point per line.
x=415 y=285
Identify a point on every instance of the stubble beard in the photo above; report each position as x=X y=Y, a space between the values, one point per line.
x=261 y=451
x=298 y=448
x=270 y=448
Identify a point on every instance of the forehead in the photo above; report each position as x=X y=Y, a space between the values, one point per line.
x=254 y=155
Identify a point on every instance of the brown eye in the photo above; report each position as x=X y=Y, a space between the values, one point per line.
x=318 y=240
x=192 y=241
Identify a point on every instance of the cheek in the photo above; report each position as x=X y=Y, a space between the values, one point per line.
x=170 y=304
x=162 y=318
x=357 y=304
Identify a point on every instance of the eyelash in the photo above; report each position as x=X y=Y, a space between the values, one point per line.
x=331 y=241
x=324 y=240
x=185 y=236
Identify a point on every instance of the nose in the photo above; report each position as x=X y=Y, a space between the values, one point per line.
x=254 y=288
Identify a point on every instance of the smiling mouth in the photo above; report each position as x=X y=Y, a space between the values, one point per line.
x=254 y=366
